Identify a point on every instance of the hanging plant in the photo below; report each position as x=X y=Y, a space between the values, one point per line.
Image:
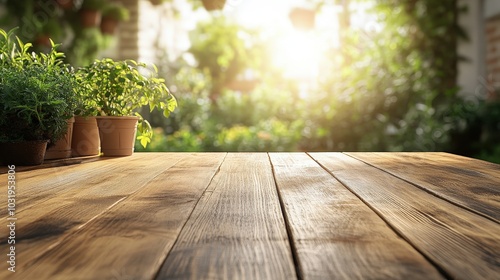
x=50 y=30
x=91 y=12
x=212 y=5
x=303 y=18
x=66 y=4
x=112 y=15
x=158 y=2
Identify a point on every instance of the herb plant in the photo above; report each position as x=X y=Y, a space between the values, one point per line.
x=118 y=88
x=116 y=11
x=37 y=92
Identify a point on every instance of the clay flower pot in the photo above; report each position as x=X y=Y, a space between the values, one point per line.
x=85 y=140
x=212 y=5
x=62 y=148
x=108 y=25
x=43 y=40
x=23 y=153
x=90 y=18
x=65 y=4
x=117 y=135
x=302 y=18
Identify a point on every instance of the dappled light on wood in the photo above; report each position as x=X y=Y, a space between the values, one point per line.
x=259 y=216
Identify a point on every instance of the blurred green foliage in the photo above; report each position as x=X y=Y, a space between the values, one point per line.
x=39 y=20
x=393 y=90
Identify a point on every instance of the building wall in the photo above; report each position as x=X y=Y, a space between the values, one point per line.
x=492 y=31
x=126 y=42
x=151 y=23
x=152 y=33
x=491 y=8
x=471 y=71
x=128 y=38
x=493 y=53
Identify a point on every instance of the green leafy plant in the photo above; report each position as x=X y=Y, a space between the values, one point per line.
x=116 y=11
x=394 y=88
x=93 y=5
x=37 y=94
x=13 y=52
x=224 y=49
x=35 y=18
x=86 y=46
x=53 y=29
x=118 y=88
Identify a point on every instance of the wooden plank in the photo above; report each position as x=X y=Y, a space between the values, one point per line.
x=472 y=184
x=69 y=197
x=131 y=240
x=335 y=235
x=463 y=244
x=237 y=230
x=489 y=168
x=42 y=184
x=53 y=163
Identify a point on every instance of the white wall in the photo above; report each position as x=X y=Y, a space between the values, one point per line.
x=472 y=71
x=491 y=8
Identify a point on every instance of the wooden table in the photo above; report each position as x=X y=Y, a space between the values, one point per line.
x=257 y=216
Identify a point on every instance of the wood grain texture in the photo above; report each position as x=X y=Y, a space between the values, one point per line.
x=42 y=184
x=54 y=163
x=336 y=236
x=131 y=240
x=51 y=205
x=463 y=244
x=178 y=216
x=237 y=229
x=472 y=184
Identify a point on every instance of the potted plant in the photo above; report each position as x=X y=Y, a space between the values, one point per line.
x=51 y=29
x=62 y=147
x=66 y=4
x=112 y=14
x=36 y=97
x=303 y=18
x=212 y=5
x=119 y=88
x=91 y=12
x=85 y=141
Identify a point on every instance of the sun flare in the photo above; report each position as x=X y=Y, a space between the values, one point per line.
x=298 y=54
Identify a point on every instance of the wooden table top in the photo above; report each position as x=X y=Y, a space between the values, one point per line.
x=257 y=216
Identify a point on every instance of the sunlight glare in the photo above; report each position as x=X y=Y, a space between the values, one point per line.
x=298 y=54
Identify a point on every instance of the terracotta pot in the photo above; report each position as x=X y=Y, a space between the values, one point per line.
x=43 y=40
x=242 y=85
x=117 y=135
x=65 y=4
x=90 y=18
x=212 y=5
x=108 y=25
x=302 y=18
x=23 y=153
x=62 y=148
x=85 y=140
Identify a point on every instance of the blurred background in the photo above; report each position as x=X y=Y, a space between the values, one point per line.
x=299 y=75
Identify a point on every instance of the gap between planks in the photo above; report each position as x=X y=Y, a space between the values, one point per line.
x=32 y=248
x=126 y=258
x=237 y=230
x=460 y=242
x=445 y=194
x=334 y=233
x=289 y=232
